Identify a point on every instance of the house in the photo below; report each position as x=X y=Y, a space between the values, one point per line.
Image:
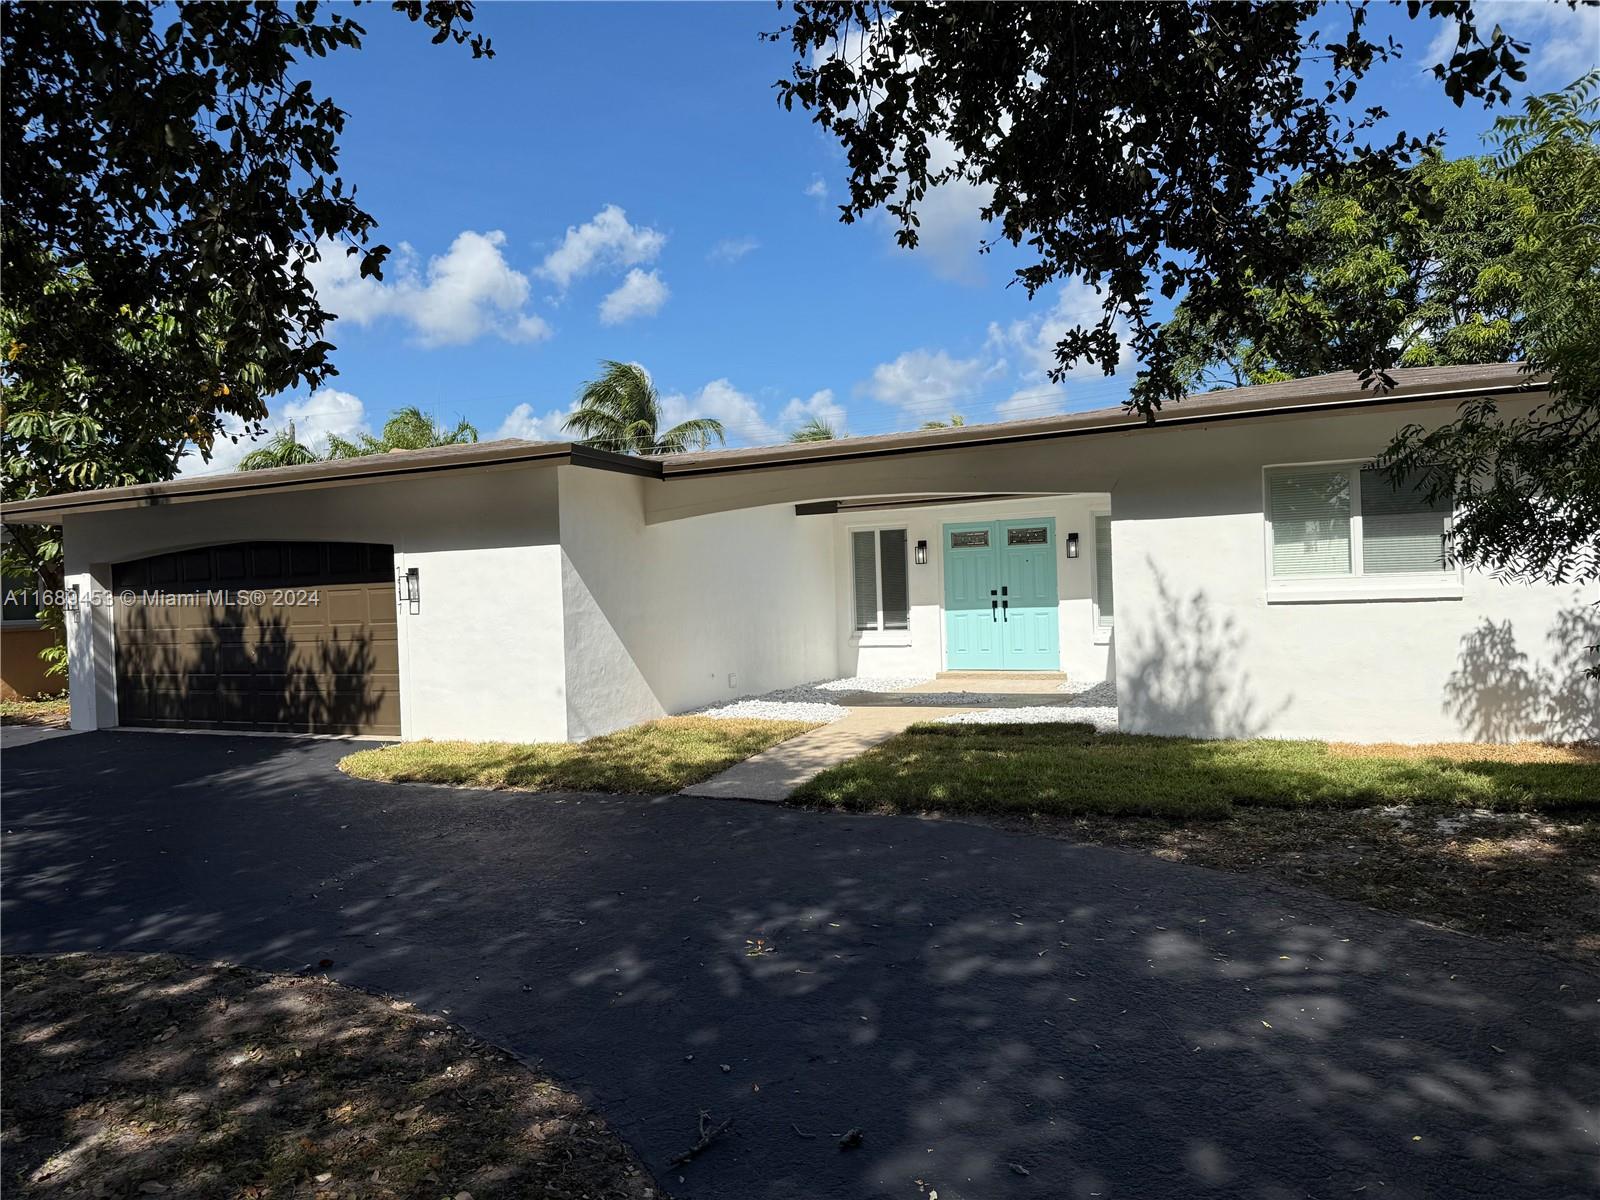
x=23 y=637
x=1232 y=567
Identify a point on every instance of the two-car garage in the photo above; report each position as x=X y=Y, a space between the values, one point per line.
x=280 y=637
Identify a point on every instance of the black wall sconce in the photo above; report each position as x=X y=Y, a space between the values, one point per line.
x=1072 y=545
x=411 y=589
x=922 y=554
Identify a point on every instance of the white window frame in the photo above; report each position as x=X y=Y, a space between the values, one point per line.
x=878 y=636
x=1357 y=585
x=1099 y=631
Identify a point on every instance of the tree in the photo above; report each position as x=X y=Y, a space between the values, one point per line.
x=1432 y=271
x=1527 y=486
x=1143 y=147
x=1496 y=260
x=814 y=430
x=408 y=428
x=955 y=420
x=621 y=411
x=167 y=179
x=281 y=450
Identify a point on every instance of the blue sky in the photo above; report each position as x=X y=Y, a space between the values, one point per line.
x=619 y=182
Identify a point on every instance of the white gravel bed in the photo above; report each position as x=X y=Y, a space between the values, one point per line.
x=817 y=701
x=1095 y=704
x=870 y=683
x=762 y=709
x=1103 y=719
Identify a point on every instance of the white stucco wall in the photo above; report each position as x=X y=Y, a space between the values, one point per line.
x=1085 y=653
x=663 y=618
x=1201 y=651
x=480 y=660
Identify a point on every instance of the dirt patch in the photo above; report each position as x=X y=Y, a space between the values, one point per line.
x=138 y=1076
x=1507 y=752
x=1517 y=877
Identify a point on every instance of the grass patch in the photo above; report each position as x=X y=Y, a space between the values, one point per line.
x=1069 y=770
x=1497 y=841
x=53 y=710
x=136 y=1075
x=659 y=756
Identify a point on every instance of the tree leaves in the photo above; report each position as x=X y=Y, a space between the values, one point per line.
x=167 y=179
x=1136 y=146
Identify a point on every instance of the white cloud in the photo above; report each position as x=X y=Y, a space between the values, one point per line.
x=641 y=295
x=463 y=294
x=608 y=239
x=817 y=189
x=819 y=404
x=1031 y=402
x=325 y=411
x=1034 y=338
x=952 y=228
x=733 y=249
x=1563 y=42
x=521 y=422
x=927 y=383
x=740 y=415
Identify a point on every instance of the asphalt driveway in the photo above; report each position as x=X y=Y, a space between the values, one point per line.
x=1002 y=1016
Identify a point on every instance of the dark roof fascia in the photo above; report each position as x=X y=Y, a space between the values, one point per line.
x=49 y=509
x=1176 y=420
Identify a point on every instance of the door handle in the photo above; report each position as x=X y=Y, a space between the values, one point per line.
x=1005 y=608
x=993 y=604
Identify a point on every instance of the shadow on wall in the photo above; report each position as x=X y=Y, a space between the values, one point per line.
x=1185 y=678
x=246 y=671
x=1501 y=693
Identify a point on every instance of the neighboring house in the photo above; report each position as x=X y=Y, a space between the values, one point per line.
x=22 y=637
x=1231 y=566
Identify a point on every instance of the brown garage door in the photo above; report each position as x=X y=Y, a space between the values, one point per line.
x=285 y=637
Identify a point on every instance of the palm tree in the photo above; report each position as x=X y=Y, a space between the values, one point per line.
x=408 y=428
x=280 y=450
x=814 y=430
x=621 y=411
x=955 y=419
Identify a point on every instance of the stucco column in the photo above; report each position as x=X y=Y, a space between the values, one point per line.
x=91 y=646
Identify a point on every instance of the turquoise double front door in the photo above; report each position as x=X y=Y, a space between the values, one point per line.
x=1000 y=596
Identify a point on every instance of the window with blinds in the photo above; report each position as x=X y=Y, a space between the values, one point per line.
x=1310 y=514
x=864 y=554
x=1348 y=522
x=1104 y=606
x=882 y=582
x=1401 y=529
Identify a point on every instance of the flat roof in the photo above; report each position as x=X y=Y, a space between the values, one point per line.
x=1342 y=390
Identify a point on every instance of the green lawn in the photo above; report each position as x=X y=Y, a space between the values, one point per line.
x=1069 y=770
x=661 y=756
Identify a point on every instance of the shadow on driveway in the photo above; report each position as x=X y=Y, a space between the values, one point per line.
x=1002 y=1016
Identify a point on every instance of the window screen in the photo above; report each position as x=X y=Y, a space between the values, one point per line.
x=863 y=554
x=1309 y=509
x=1104 y=601
x=892 y=568
x=1401 y=529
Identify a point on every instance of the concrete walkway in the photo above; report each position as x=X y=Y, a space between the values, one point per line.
x=875 y=717
x=775 y=774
